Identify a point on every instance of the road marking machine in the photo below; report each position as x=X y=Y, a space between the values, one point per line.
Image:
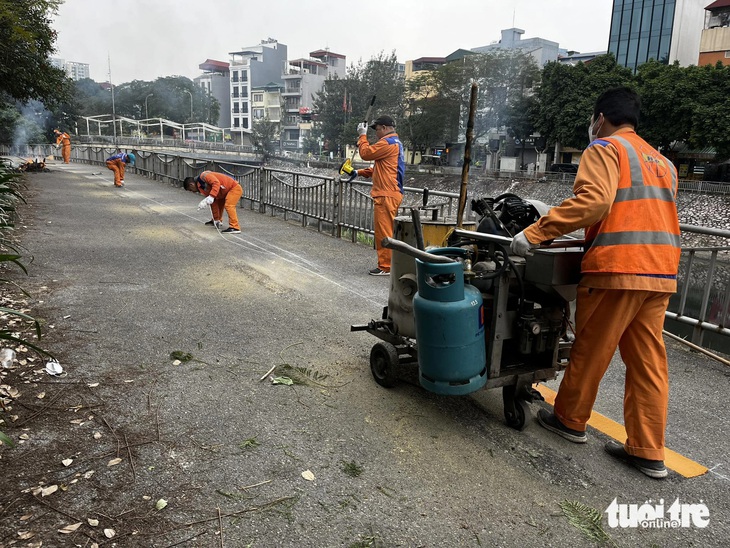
x=470 y=315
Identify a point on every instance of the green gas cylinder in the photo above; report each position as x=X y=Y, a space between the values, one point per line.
x=449 y=317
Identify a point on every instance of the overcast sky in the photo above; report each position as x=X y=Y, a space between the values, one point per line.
x=147 y=39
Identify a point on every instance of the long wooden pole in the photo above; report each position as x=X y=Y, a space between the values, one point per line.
x=467 y=155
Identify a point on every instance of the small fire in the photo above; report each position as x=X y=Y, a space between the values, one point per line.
x=33 y=165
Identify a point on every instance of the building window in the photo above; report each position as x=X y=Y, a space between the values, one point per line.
x=244 y=123
x=258 y=97
x=234 y=74
x=727 y=54
x=236 y=122
x=258 y=113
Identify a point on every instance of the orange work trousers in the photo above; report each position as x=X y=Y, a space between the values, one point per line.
x=229 y=203
x=385 y=209
x=117 y=166
x=66 y=153
x=631 y=320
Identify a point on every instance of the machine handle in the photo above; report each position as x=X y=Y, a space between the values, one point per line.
x=403 y=247
x=506 y=241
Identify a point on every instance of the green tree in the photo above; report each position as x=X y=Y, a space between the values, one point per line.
x=668 y=100
x=429 y=121
x=27 y=42
x=710 y=118
x=503 y=77
x=567 y=93
x=343 y=103
x=265 y=135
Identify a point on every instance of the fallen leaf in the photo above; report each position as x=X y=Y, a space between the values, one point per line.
x=93 y=522
x=70 y=528
x=93 y=384
x=88 y=474
x=77 y=421
x=161 y=504
x=176 y=362
x=109 y=533
x=114 y=462
x=282 y=380
x=67 y=462
x=26 y=517
x=25 y=535
x=49 y=490
x=97 y=435
x=24 y=437
x=308 y=475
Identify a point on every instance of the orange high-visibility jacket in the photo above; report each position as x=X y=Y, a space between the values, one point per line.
x=217 y=185
x=625 y=199
x=640 y=235
x=390 y=165
x=64 y=139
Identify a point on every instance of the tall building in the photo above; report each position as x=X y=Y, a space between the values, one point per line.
x=74 y=70
x=664 y=30
x=216 y=81
x=253 y=67
x=542 y=50
x=715 y=40
x=303 y=78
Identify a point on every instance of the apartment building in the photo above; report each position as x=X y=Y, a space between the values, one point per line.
x=266 y=102
x=75 y=71
x=303 y=79
x=540 y=49
x=252 y=68
x=715 y=38
x=216 y=82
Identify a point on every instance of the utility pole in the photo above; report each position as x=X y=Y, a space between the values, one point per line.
x=114 y=112
x=146 y=111
x=191 y=104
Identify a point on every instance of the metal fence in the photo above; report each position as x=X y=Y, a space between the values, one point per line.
x=345 y=210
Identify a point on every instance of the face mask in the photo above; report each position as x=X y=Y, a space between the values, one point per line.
x=593 y=131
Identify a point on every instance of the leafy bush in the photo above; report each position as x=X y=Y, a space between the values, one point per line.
x=10 y=185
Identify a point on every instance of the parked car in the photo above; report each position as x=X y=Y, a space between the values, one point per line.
x=564 y=168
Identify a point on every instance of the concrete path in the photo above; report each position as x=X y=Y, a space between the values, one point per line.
x=127 y=276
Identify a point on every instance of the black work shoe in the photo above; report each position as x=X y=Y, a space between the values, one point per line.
x=210 y=223
x=230 y=230
x=652 y=468
x=378 y=272
x=549 y=421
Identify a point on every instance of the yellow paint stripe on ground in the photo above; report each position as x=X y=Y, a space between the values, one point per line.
x=673 y=460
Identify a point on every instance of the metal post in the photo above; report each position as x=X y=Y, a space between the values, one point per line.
x=146 y=111
x=191 y=104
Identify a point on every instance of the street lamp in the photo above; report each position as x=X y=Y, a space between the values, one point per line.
x=191 y=104
x=146 y=111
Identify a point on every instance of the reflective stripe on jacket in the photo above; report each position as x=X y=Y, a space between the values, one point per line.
x=389 y=170
x=640 y=234
x=217 y=185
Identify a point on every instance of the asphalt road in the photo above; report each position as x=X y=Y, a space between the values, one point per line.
x=127 y=276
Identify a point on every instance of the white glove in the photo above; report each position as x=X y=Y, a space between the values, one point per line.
x=521 y=245
x=362 y=128
x=208 y=200
x=202 y=204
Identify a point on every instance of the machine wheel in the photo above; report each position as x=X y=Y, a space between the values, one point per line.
x=384 y=364
x=517 y=416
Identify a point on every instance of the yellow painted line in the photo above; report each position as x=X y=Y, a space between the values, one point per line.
x=673 y=460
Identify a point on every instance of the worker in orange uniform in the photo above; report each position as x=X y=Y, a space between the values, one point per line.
x=387 y=173
x=118 y=163
x=221 y=192
x=64 y=140
x=625 y=195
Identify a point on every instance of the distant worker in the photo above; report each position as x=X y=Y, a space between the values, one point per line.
x=118 y=163
x=387 y=190
x=625 y=195
x=221 y=192
x=64 y=140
